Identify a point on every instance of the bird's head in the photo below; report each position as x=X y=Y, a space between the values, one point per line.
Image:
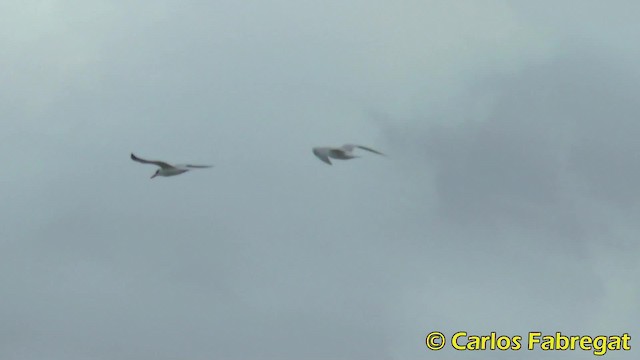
x=155 y=174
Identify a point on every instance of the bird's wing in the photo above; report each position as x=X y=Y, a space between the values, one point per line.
x=162 y=164
x=338 y=153
x=369 y=149
x=197 y=166
x=322 y=154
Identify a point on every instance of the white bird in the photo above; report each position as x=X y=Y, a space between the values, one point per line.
x=344 y=152
x=168 y=169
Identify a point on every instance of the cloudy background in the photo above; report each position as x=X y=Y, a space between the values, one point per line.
x=509 y=200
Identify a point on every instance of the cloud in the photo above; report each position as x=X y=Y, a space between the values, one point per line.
x=505 y=203
x=550 y=145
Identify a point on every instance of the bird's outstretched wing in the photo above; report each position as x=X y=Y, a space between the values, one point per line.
x=369 y=149
x=162 y=164
x=322 y=154
x=198 y=166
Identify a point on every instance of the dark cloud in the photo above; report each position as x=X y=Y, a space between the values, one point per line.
x=554 y=141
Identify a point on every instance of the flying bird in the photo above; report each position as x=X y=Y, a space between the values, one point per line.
x=168 y=169
x=344 y=152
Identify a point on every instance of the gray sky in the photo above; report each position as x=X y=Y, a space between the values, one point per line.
x=509 y=201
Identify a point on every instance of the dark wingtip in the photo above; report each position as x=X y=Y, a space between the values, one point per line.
x=133 y=157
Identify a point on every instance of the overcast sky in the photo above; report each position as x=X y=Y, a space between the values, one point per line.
x=509 y=200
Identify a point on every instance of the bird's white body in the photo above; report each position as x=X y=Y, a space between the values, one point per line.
x=168 y=169
x=344 y=152
x=171 y=171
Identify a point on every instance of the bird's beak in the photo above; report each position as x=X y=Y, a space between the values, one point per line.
x=152 y=176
